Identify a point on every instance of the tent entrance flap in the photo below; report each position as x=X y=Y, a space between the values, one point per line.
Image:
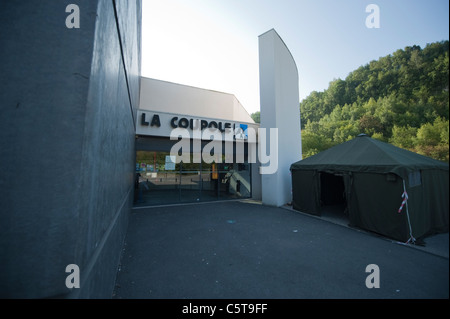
x=305 y=191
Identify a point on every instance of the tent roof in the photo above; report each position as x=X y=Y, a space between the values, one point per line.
x=364 y=154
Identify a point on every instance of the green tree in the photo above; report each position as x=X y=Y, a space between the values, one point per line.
x=403 y=136
x=402 y=98
x=312 y=107
x=313 y=143
x=432 y=139
x=256 y=116
x=370 y=125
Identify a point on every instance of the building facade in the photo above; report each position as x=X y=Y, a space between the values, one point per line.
x=178 y=129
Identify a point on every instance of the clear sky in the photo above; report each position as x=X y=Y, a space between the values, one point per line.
x=213 y=44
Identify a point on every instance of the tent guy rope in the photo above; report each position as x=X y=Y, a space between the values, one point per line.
x=405 y=203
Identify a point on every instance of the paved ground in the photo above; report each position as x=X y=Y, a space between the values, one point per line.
x=240 y=250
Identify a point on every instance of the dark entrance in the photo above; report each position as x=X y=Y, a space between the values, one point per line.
x=332 y=197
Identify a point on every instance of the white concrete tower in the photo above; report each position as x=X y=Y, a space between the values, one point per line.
x=279 y=98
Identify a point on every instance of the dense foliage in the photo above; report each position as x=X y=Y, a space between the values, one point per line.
x=402 y=99
x=256 y=116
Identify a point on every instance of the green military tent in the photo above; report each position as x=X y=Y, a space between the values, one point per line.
x=369 y=178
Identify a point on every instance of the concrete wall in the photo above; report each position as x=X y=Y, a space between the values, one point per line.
x=67 y=144
x=279 y=96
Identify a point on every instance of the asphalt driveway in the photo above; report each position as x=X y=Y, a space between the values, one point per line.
x=244 y=250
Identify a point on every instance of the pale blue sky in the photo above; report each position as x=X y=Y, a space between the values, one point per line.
x=213 y=44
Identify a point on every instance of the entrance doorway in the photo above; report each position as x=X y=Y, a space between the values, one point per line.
x=333 y=200
x=160 y=180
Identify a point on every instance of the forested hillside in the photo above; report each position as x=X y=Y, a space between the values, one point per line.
x=402 y=99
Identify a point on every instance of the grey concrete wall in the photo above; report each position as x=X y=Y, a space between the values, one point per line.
x=66 y=143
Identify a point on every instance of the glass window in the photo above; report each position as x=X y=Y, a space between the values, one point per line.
x=159 y=180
